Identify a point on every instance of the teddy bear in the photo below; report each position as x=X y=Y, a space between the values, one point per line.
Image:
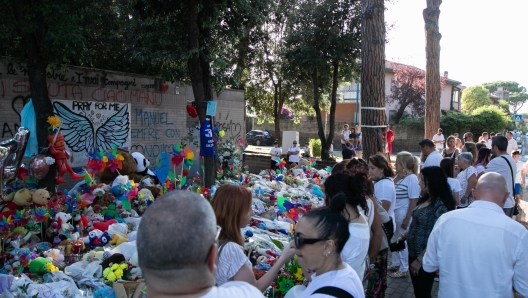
x=129 y=168
x=116 y=258
x=135 y=271
x=142 y=165
x=21 y=199
x=110 y=212
x=117 y=239
x=145 y=198
x=55 y=256
x=93 y=255
x=40 y=197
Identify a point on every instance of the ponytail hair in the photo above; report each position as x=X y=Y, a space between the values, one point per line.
x=330 y=223
x=350 y=187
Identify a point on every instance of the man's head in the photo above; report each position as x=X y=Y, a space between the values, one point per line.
x=294 y=143
x=492 y=187
x=499 y=144
x=468 y=137
x=347 y=144
x=275 y=144
x=306 y=144
x=345 y=127
x=176 y=244
x=427 y=146
x=509 y=135
x=455 y=135
x=388 y=127
x=440 y=131
x=492 y=135
x=485 y=136
x=516 y=155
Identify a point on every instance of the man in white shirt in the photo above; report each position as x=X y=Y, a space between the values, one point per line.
x=275 y=153
x=485 y=137
x=478 y=251
x=439 y=140
x=468 y=137
x=503 y=164
x=433 y=157
x=519 y=176
x=345 y=135
x=187 y=266
x=512 y=143
x=293 y=154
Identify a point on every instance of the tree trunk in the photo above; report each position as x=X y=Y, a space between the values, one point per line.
x=37 y=62
x=200 y=78
x=432 y=77
x=333 y=103
x=399 y=113
x=372 y=74
x=320 y=129
x=278 y=102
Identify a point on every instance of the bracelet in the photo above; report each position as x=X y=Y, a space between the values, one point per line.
x=419 y=259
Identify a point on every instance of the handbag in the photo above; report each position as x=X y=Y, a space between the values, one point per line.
x=515 y=208
x=397 y=246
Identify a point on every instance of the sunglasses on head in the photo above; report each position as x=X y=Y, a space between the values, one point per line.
x=300 y=241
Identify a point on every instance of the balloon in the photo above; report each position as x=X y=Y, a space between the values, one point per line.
x=39 y=167
x=191 y=110
x=11 y=154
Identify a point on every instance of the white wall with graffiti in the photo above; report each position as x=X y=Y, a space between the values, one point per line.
x=151 y=113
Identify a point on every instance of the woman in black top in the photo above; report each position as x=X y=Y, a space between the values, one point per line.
x=437 y=200
x=450 y=151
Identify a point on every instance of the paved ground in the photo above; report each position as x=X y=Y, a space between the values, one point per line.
x=402 y=287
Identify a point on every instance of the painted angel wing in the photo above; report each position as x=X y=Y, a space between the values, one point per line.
x=114 y=131
x=78 y=130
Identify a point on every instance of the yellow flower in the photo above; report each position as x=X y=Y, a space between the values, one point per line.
x=118 y=273
x=114 y=267
x=106 y=272
x=111 y=276
x=54 y=121
x=50 y=267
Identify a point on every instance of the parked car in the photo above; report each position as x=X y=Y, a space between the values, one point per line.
x=259 y=137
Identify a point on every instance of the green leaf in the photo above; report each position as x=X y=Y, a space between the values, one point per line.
x=277 y=243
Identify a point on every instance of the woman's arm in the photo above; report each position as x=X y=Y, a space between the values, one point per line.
x=472 y=182
x=245 y=273
x=386 y=205
x=457 y=198
x=377 y=235
x=405 y=222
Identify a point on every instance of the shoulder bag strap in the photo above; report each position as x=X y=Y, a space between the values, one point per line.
x=333 y=291
x=513 y=177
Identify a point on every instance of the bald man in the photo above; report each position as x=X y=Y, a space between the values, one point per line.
x=177 y=248
x=479 y=251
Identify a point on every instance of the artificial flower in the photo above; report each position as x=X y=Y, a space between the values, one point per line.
x=54 y=121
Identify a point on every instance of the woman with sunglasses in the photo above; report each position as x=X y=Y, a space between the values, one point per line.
x=320 y=236
x=232 y=207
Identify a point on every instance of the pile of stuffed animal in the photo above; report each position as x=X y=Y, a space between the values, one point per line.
x=66 y=232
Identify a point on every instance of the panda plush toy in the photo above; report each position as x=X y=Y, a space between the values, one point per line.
x=142 y=169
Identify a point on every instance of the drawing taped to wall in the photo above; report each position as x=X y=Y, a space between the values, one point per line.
x=92 y=127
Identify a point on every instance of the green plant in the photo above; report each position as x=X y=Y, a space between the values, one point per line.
x=488 y=118
x=315 y=147
x=453 y=122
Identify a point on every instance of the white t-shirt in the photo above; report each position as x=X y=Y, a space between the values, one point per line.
x=345 y=279
x=512 y=145
x=406 y=189
x=480 y=168
x=345 y=134
x=384 y=191
x=520 y=168
x=275 y=151
x=230 y=261
x=294 y=158
x=433 y=160
x=488 y=143
x=234 y=289
x=437 y=138
x=499 y=165
x=356 y=247
x=454 y=184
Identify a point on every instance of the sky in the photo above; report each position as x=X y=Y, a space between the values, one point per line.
x=482 y=40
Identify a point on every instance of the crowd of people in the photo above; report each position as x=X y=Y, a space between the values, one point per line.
x=446 y=215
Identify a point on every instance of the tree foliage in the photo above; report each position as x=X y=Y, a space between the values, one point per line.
x=517 y=93
x=474 y=97
x=322 y=50
x=408 y=90
x=485 y=118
